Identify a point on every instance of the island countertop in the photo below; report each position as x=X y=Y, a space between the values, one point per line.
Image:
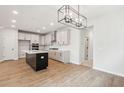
x=35 y=51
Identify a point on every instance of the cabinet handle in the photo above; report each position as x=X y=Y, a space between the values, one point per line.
x=42 y=57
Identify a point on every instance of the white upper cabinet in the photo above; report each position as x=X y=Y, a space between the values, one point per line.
x=62 y=37
x=59 y=38
x=34 y=38
x=27 y=36
x=24 y=36
x=48 y=39
x=65 y=37
x=21 y=36
x=42 y=40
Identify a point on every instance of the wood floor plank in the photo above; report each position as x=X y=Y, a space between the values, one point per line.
x=20 y=74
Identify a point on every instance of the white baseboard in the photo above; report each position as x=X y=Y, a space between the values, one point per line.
x=75 y=63
x=1 y=60
x=110 y=72
x=15 y=59
x=9 y=59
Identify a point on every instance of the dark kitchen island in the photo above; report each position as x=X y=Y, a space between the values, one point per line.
x=38 y=60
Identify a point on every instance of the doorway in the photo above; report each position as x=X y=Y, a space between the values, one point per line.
x=86 y=39
x=88 y=47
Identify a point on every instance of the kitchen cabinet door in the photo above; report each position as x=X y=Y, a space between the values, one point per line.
x=42 y=40
x=59 y=56
x=59 y=37
x=62 y=37
x=21 y=36
x=37 y=38
x=48 y=39
x=45 y=40
x=65 y=35
x=27 y=36
x=34 y=38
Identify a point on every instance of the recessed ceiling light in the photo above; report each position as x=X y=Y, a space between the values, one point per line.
x=44 y=28
x=13 y=26
x=51 y=23
x=13 y=21
x=15 y=12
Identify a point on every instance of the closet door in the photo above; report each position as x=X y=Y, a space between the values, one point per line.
x=10 y=44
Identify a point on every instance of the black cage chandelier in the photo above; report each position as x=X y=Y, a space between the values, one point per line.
x=71 y=17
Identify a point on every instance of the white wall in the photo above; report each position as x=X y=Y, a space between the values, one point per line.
x=82 y=45
x=108 y=44
x=1 y=50
x=73 y=47
x=90 y=51
x=10 y=44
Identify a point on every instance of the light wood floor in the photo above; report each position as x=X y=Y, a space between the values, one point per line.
x=18 y=73
x=88 y=63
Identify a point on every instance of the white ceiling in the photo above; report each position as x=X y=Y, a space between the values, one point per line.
x=34 y=17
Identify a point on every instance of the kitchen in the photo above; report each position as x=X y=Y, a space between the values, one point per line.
x=35 y=42
x=36 y=49
x=50 y=36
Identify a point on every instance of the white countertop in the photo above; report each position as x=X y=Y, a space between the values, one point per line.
x=58 y=50
x=35 y=51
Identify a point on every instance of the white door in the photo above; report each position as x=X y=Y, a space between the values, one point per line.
x=10 y=47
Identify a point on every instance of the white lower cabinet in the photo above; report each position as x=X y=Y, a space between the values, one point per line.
x=63 y=56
